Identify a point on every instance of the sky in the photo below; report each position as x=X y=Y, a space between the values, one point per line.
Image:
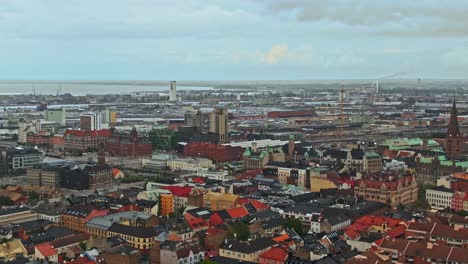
x=232 y=39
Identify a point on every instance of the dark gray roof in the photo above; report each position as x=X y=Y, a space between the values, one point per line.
x=225 y=260
x=337 y=219
x=272 y=223
x=248 y=247
x=303 y=209
x=13 y=210
x=33 y=224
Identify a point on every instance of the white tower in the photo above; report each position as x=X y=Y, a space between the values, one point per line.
x=172 y=92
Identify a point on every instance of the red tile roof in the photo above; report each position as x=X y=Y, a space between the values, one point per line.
x=216 y=220
x=275 y=253
x=95 y=213
x=198 y=180
x=389 y=184
x=353 y=234
x=46 y=249
x=421 y=227
x=281 y=238
x=370 y=220
x=195 y=222
x=238 y=212
x=397 y=231
x=178 y=190
x=258 y=205
x=69 y=240
x=369 y=257
x=248 y=174
x=81 y=260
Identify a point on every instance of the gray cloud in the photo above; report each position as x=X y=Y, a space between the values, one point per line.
x=402 y=18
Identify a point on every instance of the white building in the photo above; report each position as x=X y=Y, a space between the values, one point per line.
x=172 y=91
x=214 y=175
x=24 y=128
x=189 y=164
x=439 y=197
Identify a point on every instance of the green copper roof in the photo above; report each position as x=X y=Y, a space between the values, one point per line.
x=425 y=160
x=247 y=152
x=402 y=143
x=371 y=154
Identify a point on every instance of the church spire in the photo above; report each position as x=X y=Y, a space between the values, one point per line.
x=453 y=127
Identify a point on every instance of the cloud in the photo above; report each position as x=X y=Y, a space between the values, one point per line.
x=431 y=18
x=276 y=53
x=87 y=19
x=457 y=57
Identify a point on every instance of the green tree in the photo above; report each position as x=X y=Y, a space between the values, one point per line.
x=422 y=203
x=181 y=210
x=5 y=201
x=159 y=206
x=33 y=196
x=208 y=262
x=240 y=231
x=295 y=224
x=83 y=245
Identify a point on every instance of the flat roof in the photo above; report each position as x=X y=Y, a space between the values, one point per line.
x=260 y=143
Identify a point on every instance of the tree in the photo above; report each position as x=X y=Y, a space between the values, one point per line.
x=33 y=196
x=83 y=245
x=295 y=224
x=241 y=231
x=181 y=211
x=208 y=262
x=159 y=205
x=5 y=201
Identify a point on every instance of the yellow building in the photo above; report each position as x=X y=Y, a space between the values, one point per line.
x=246 y=251
x=389 y=190
x=9 y=250
x=318 y=183
x=136 y=236
x=112 y=117
x=219 y=201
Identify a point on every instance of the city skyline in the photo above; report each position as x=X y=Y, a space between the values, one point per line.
x=223 y=40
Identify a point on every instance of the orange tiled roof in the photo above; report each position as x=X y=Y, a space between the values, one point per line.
x=46 y=249
x=238 y=212
x=275 y=253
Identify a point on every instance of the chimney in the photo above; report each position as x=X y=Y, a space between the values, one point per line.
x=429 y=245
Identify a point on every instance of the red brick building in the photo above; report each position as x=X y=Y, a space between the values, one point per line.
x=56 y=141
x=128 y=144
x=454 y=140
x=457 y=201
x=214 y=152
x=79 y=141
x=407 y=251
x=288 y=114
x=40 y=138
